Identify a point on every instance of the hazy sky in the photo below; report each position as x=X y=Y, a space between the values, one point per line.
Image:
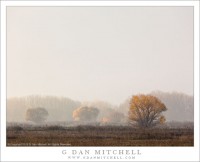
x=99 y=53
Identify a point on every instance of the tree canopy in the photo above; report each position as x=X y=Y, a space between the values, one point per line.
x=146 y=110
x=85 y=114
x=37 y=115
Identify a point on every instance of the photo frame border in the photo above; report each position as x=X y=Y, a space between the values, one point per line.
x=4 y=4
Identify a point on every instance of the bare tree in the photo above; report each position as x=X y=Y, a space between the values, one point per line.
x=37 y=115
x=146 y=110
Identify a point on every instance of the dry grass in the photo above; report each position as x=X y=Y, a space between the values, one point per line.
x=98 y=136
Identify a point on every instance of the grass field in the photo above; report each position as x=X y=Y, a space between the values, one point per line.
x=98 y=136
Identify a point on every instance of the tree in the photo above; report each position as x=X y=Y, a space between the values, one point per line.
x=85 y=114
x=113 y=117
x=146 y=110
x=162 y=119
x=37 y=115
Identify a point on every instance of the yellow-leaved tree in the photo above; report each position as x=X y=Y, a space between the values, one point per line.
x=146 y=111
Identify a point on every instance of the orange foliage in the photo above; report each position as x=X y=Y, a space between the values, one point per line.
x=146 y=110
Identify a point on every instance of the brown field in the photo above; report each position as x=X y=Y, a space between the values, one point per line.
x=98 y=136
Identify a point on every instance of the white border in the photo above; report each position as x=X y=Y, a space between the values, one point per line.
x=99 y=3
x=55 y=153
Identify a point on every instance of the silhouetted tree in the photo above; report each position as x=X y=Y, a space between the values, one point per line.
x=146 y=110
x=37 y=115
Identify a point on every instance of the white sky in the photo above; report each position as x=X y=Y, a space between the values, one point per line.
x=99 y=53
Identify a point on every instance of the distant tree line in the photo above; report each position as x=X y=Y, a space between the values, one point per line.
x=144 y=110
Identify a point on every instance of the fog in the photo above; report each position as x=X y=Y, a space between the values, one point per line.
x=97 y=53
x=180 y=107
x=61 y=110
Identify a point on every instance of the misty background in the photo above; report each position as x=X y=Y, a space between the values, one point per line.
x=180 y=108
x=62 y=58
